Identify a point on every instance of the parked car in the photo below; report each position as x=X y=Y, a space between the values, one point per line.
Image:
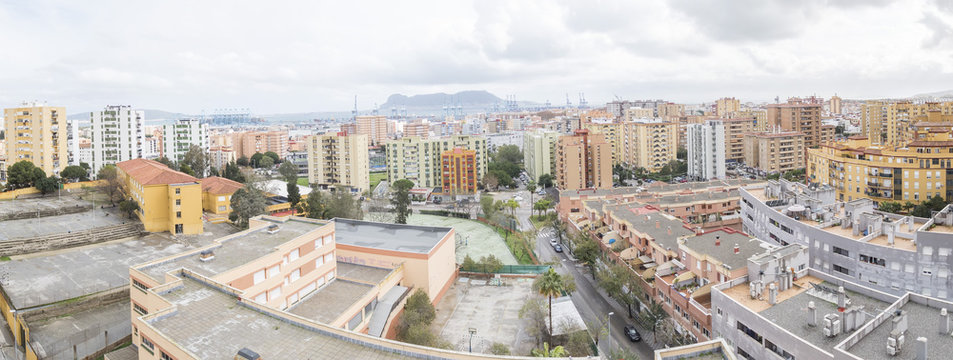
x=632 y=333
x=558 y=248
x=553 y=242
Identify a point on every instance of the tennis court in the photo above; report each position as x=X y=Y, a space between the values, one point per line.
x=474 y=238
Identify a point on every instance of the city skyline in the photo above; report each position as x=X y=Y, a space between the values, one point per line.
x=315 y=57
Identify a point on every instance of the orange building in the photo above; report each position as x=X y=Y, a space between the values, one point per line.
x=583 y=161
x=459 y=171
x=248 y=143
x=375 y=127
x=419 y=129
x=800 y=115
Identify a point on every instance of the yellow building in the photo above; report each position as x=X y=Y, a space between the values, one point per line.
x=583 y=161
x=774 y=152
x=418 y=160
x=670 y=109
x=725 y=107
x=375 y=127
x=37 y=133
x=339 y=159
x=858 y=169
x=835 y=104
x=636 y=113
x=760 y=118
x=891 y=122
x=735 y=130
x=217 y=194
x=613 y=135
x=168 y=200
x=649 y=143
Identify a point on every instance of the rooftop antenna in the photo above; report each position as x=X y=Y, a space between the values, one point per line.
x=354 y=112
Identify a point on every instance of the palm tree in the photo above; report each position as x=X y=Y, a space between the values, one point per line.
x=512 y=204
x=531 y=186
x=558 y=351
x=549 y=284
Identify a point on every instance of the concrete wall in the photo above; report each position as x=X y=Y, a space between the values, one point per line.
x=66 y=240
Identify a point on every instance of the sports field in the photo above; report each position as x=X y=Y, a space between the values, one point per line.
x=475 y=239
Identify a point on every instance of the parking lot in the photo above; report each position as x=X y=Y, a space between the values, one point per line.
x=492 y=310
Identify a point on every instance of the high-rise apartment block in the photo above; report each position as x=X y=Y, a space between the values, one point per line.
x=706 y=150
x=419 y=160
x=181 y=135
x=735 y=130
x=459 y=172
x=775 y=151
x=835 y=105
x=539 y=153
x=583 y=161
x=118 y=134
x=724 y=107
x=801 y=115
x=339 y=159
x=375 y=127
x=419 y=129
x=894 y=122
x=613 y=133
x=650 y=144
x=37 y=133
x=248 y=143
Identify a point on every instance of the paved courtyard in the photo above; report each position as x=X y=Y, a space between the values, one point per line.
x=26 y=228
x=476 y=239
x=490 y=309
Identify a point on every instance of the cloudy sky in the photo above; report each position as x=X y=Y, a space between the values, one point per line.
x=278 y=57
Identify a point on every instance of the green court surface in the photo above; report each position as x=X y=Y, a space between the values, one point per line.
x=475 y=239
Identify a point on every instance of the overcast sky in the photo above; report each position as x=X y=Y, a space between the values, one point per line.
x=277 y=57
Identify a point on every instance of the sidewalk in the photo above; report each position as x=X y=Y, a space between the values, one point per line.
x=621 y=312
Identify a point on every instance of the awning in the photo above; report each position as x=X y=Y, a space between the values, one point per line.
x=629 y=254
x=645 y=258
x=688 y=275
x=702 y=291
x=649 y=273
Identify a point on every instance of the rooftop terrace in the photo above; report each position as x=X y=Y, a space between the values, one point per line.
x=329 y=302
x=395 y=237
x=922 y=322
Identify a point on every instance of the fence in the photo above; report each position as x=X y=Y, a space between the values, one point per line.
x=513 y=269
x=446 y=213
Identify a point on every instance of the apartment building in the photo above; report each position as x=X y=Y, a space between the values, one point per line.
x=419 y=129
x=856 y=169
x=495 y=141
x=726 y=107
x=887 y=122
x=799 y=115
x=583 y=160
x=760 y=118
x=181 y=135
x=339 y=159
x=37 y=133
x=775 y=151
x=419 y=160
x=650 y=144
x=375 y=127
x=247 y=144
x=667 y=110
x=459 y=173
x=612 y=131
x=220 y=156
x=706 y=150
x=834 y=105
x=735 y=130
x=539 y=152
x=321 y=285
x=168 y=200
x=118 y=134
x=636 y=113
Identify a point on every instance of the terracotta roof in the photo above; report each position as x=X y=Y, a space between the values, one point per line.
x=149 y=172
x=929 y=143
x=220 y=185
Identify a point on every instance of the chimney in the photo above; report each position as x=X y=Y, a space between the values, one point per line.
x=717 y=240
x=772 y=294
x=841 y=299
x=944 y=322
x=921 y=348
x=811 y=314
x=658 y=224
x=737 y=249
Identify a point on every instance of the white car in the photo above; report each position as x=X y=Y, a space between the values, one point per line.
x=552 y=241
x=518 y=198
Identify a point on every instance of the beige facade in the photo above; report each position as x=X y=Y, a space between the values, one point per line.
x=725 y=107
x=418 y=160
x=418 y=129
x=37 y=133
x=583 y=161
x=649 y=144
x=670 y=109
x=893 y=122
x=775 y=151
x=539 y=153
x=339 y=160
x=735 y=130
x=636 y=113
x=800 y=115
x=760 y=118
x=835 y=104
x=248 y=143
x=613 y=134
x=375 y=127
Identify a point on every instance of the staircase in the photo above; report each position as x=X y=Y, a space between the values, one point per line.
x=67 y=240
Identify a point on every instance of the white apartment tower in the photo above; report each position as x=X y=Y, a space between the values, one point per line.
x=706 y=150
x=181 y=135
x=118 y=134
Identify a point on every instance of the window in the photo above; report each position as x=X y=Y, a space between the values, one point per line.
x=841 y=269
x=293 y=256
x=178 y=191
x=840 y=251
x=330 y=276
x=148 y=345
x=318 y=243
x=329 y=257
x=221 y=198
x=274 y=293
x=753 y=334
x=165 y=356
x=273 y=271
x=295 y=275
x=178 y=214
x=139 y=285
x=139 y=309
x=261 y=298
x=259 y=276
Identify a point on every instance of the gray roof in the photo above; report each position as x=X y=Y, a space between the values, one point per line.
x=330 y=301
x=705 y=244
x=922 y=321
x=660 y=188
x=647 y=224
x=396 y=237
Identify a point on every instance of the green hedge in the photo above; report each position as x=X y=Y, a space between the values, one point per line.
x=446 y=213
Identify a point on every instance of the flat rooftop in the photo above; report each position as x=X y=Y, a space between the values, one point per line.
x=54 y=335
x=58 y=224
x=18 y=206
x=661 y=187
x=235 y=252
x=328 y=303
x=921 y=322
x=38 y=279
x=725 y=252
x=790 y=311
x=395 y=237
x=361 y=273
x=213 y=325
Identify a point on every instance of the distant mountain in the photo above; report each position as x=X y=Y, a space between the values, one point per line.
x=471 y=97
x=937 y=94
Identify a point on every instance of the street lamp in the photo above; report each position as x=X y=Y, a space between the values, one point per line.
x=609 y=326
x=472 y=331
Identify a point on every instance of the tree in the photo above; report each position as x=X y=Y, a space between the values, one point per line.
x=653 y=317
x=543 y=205
x=414 y=325
x=185 y=168
x=274 y=157
x=256 y=159
x=891 y=207
x=84 y=166
x=401 y=199
x=926 y=208
x=233 y=172
x=557 y=351
x=545 y=180
x=586 y=250
x=294 y=195
x=197 y=160
x=289 y=171
x=242 y=161
x=341 y=204
x=266 y=162
x=74 y=173
x=110 y=186
x=509 y=153
x=549 y=284
x=498 y=348
x=534 y=311
x=487 y=205
x=531 y=187
x=129 y=207
x=165 y=161
x=681 y=153
x=559 y=229
x=247 y=202
x=490 y=182
x=48 y=185
x=512 y=205
x=490 y=264
x=316 y=206
x=23 y=174
x=617 y=282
